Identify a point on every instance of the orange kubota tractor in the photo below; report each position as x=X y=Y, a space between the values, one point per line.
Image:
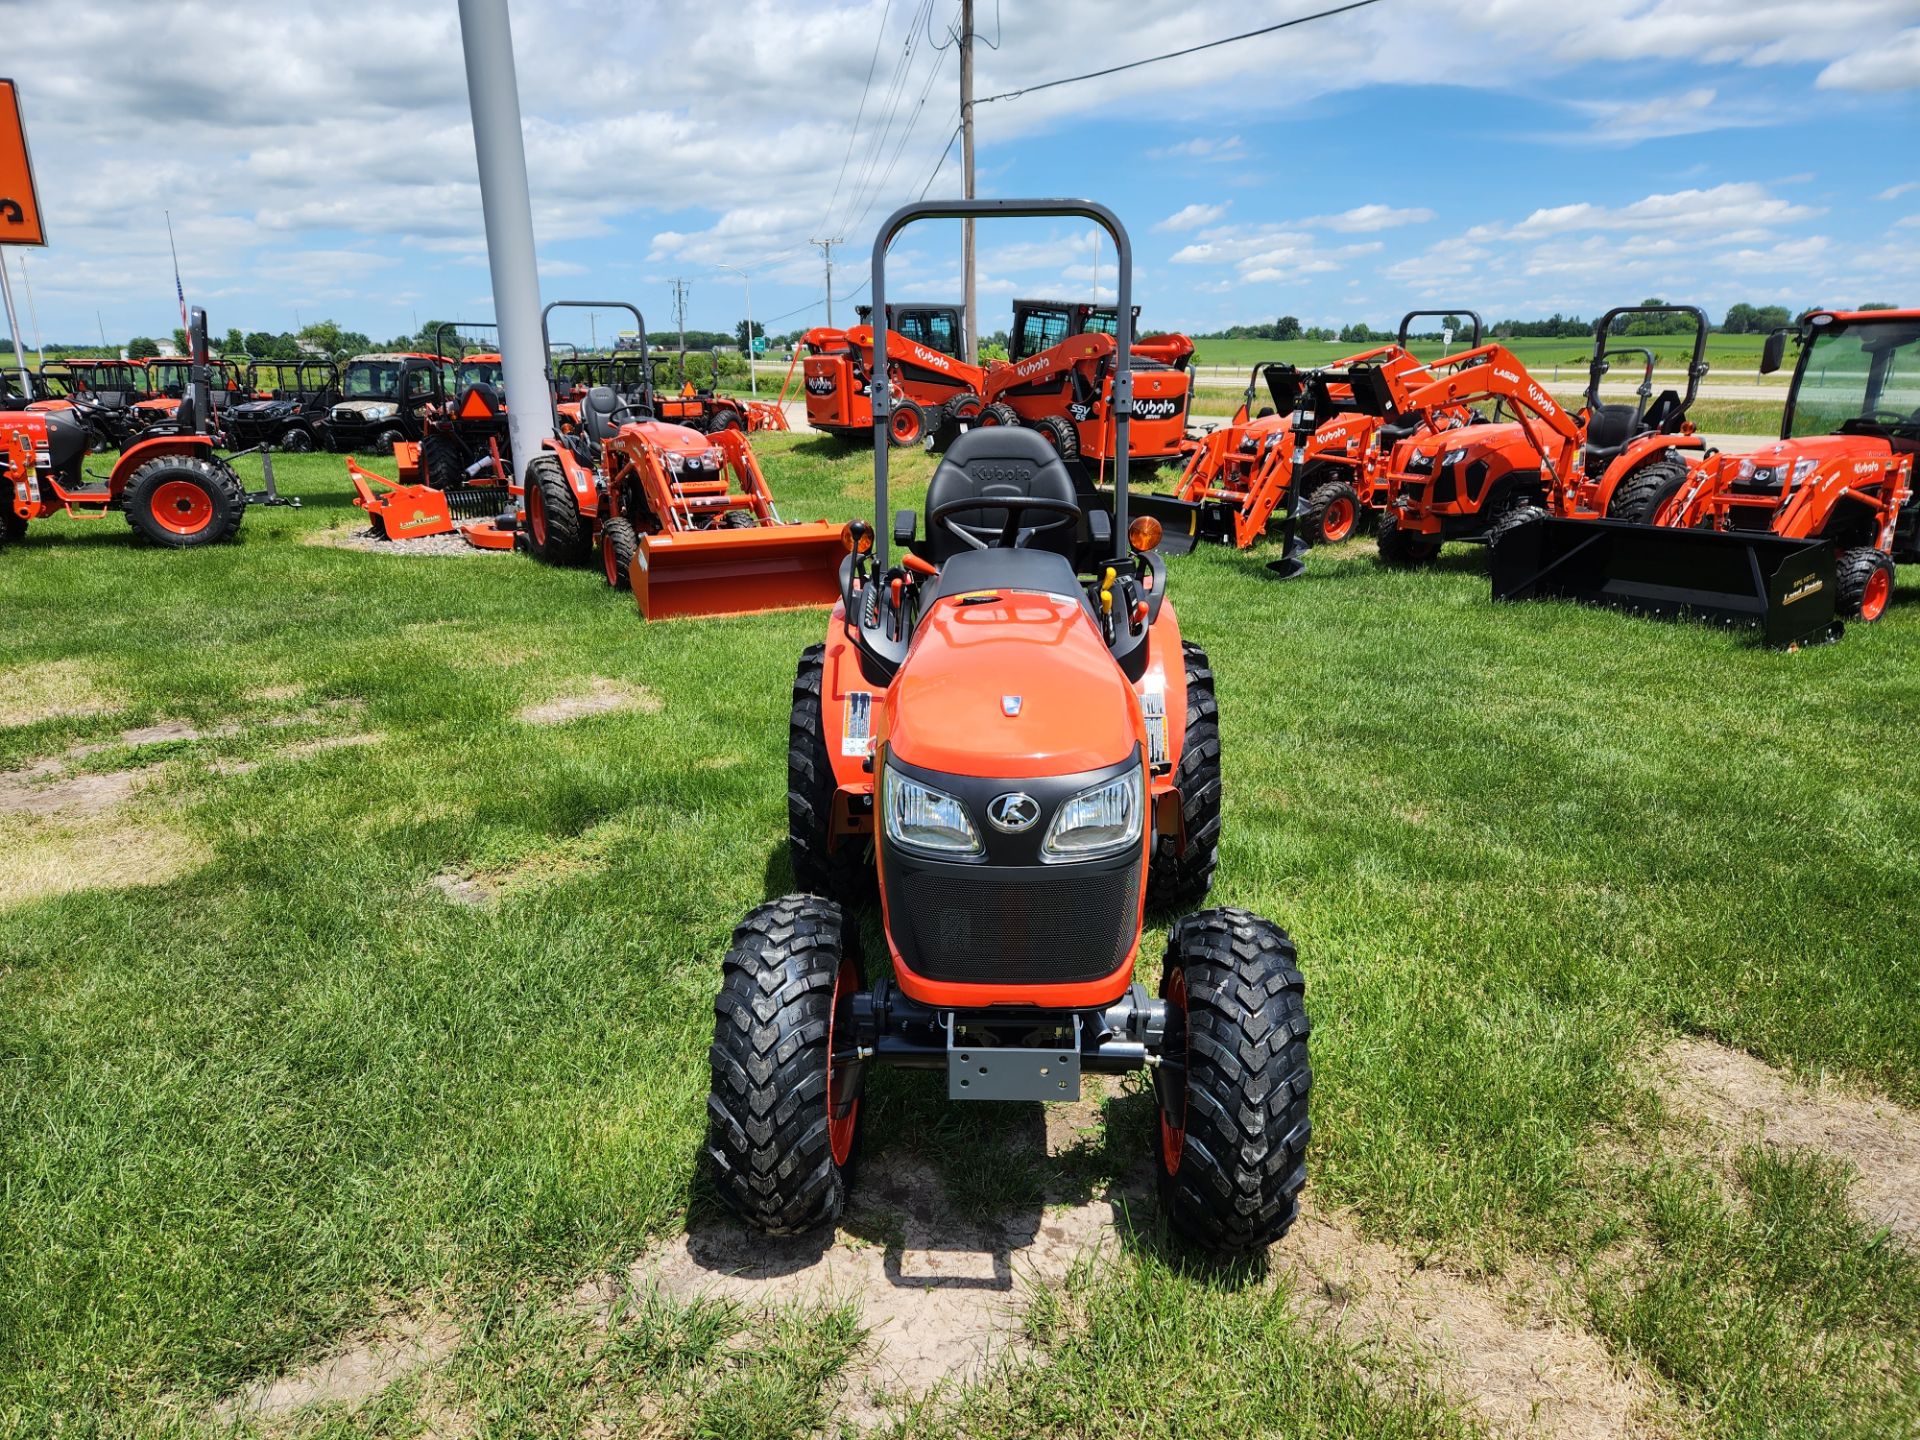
x=1469 y=481
x=1005 y=736
x=1787 y=537
x=683 y=518
x=174 y=489
x=1240 y=475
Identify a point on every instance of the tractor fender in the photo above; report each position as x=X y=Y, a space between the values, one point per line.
x=142 y=451
x=850 y=751
x=1165 y=680
x=1638 y=452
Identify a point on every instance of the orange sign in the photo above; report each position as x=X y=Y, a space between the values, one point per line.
x=19 y=201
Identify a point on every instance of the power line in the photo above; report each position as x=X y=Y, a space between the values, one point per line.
x=896 y=92
x=1176 y=54
x=878 y=35
x=940 y=162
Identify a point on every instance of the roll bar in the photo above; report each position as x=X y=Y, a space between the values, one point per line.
x=1603 y=327
x=882 y=392
x=1406 y=323
x=639 y=320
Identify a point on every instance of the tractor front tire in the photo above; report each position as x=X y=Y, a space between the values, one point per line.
x=1230 y=1149
x=1512 y=522
x=182 y=501
x=1400 y=548
x=555 y=532
x=1179 y=874
x=1640 y=496
x=1866 y=583
x=780 y=1154
x=1059 y=433
x=843 y=872
x=441 y=464
x=1330 y=514
x=618 y=543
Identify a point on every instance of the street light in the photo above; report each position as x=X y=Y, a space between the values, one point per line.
x=753 y=383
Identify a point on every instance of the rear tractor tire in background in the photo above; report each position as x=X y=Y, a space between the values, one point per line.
x=1401 y=549
x=1640 y=497
x=1059 y=433
x=960 y=413
x=780 y=1142
x=725 y=419
x=441 y=464
x=183 y=501
x=618 y=544
x=1330 y=513
x=1179 y=875
x=1230 y=1148
x=555 y=532
x=1866 y=583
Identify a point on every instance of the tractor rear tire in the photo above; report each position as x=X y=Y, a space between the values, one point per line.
x=384 y=442
x=907 y=425
x=297 y=440
x=780 y=1157
x=555 y=532
x=963 y=409
x=1230 y=1148
x=1400 y=548
x=1059 y=433
x=441 y=464
x=843 y=873
x=1179 y=876
x=182 y=501
x=1866 y=583
x=618 y=544
x=1330 y=513
x=999 y=413
x=725 y=418
x=1640 y=495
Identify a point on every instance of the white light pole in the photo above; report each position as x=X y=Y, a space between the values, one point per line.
x=753 y=384
x=493 y=95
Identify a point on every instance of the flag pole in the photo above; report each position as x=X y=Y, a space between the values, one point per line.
x=178 y=289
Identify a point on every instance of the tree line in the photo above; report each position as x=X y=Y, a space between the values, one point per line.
x=1741 y=319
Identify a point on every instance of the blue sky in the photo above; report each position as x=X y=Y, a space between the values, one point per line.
x=1517 y=156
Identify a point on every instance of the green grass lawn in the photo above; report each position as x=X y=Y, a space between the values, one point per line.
x=247 y=1111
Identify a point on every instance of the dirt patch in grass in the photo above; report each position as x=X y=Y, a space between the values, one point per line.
x=449 y=546
x=600 y=697
x=59 y=690
x=1746 y=1099
x=39 y=858
x=170 y=730
x=41 y=789
x=468 y=890
x=350 y=1376
x=1500 y=1349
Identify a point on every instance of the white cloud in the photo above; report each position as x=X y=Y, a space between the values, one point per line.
x=1693 y=112
x=1894 y=192
x=1201 y=148
x=1735 y=205
x=1894 y=65
x=1364 y=218
x=1192 y=217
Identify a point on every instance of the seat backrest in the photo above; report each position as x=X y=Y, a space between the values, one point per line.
x=1609 y=427
x=1000 y=460
x=597 y=409
x=185 y=417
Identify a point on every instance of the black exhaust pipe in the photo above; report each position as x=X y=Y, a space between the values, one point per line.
x=1785 y=588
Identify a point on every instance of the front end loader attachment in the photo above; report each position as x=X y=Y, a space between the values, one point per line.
x=1785 y=588
x=727 y=571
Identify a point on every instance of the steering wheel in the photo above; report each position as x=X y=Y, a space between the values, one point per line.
x=1013 y=536
x=1889 y=417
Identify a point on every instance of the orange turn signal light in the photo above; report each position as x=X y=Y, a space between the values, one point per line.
x=1143 y=533
x=857 y=536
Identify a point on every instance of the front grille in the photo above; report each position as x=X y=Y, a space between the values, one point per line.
x=1060 y=924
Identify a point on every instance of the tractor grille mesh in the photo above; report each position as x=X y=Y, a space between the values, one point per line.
x=1059 y=927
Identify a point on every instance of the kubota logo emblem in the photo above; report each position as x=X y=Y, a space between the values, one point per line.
x=1155 y=409
x=820 y=385
x=1013 y=812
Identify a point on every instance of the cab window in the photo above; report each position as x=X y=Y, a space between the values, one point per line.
x=1041 y=330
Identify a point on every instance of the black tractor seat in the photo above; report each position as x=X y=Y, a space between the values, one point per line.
x=597 y=409
x=1609 y=428
x=1003 y=461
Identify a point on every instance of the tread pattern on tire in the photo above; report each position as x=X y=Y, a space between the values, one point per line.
x=623 y=540
x=1855 y=567
x=1640 y=495
x=440 y=462
x=1244 y=1157
x=767 y=1136
x=1313 y=511
x=228 y=494
x=1176 y=876
x=567 y=540
x=1517 y=518
x=1400 y=549
x=1060 y=434
x=842 y=873
x=999 y=413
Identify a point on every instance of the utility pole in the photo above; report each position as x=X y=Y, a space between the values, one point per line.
x=753 y=385
x=680 y=318
x=493 y=94
x=968 y=298
x=826 y=249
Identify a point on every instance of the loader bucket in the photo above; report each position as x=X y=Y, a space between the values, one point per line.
x=1784 y=587
x=737 y=572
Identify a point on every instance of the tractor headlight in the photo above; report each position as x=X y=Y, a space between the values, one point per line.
x=1453 y=457
x=712 y=458
x=1803 y=467
x=923 y=818
x=1098 y=821
x=1745 y=472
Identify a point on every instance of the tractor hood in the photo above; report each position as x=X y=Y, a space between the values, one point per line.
x=1425 y=452
x=265 y=409
x=1013 y=686
x=1822 y=448
x=673 y=439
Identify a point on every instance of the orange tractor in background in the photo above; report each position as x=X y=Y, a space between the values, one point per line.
x=174 y=489
x=683 y=518
x=170 y=377
x=1242 y=474
x=1790 y=537
x=1467 y=482
x=935 y=391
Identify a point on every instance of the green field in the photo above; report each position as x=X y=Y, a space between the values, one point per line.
x=342 y=1001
